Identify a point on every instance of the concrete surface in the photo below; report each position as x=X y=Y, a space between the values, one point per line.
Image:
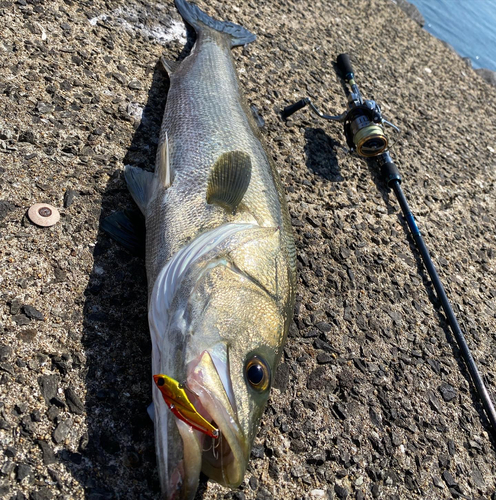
x=372 y=398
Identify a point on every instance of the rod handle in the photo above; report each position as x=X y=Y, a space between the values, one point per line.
x=293 y=108
x=390 y=173
x=344 y=65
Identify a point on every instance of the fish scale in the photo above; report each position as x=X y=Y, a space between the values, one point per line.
x=221 y=266
x=206 y=116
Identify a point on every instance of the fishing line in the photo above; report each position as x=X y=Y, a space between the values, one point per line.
x=215 y=446
x=205 y=450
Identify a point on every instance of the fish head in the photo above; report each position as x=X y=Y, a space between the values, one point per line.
x=226 y=327
x=231 y=368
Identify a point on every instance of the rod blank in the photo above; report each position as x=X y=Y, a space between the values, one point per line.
x=448 y=310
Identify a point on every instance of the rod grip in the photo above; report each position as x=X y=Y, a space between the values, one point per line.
x=344 y=65
x=293 y=108
x=390 y=173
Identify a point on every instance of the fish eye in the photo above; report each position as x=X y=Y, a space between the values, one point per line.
x=257 y=373
x=160 y=381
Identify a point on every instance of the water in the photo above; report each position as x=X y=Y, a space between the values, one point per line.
x=469 y=26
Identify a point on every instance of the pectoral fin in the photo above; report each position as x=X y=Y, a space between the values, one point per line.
x=229 y=180
x=170 y=66
x=139 y=183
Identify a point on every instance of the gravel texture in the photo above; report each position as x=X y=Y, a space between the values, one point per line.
x=372 y=399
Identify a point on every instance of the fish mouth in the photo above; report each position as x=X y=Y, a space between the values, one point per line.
x=224 y=458
x=207 y=421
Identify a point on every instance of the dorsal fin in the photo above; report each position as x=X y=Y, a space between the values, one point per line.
x=229 y=179
x=163 y=166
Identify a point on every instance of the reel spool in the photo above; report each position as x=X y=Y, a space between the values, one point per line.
x=363 y=124
x=363 y=135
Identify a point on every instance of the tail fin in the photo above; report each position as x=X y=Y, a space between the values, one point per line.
x=196 y=17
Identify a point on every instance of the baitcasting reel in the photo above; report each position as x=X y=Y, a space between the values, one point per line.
x=363 y=121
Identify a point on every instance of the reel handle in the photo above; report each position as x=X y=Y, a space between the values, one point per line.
x=293 y=108
x=344 y=65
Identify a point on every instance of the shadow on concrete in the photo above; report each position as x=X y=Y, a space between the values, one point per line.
x=321 y=155
x=118 y=452
x=116 y=457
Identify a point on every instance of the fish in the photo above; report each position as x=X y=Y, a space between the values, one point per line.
x=221 y=265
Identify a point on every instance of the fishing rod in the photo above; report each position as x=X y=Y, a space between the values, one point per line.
x=364 y=131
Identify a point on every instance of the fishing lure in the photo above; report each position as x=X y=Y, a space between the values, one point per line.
x=177 y=400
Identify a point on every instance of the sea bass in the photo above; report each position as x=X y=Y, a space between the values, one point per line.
x=220 y=261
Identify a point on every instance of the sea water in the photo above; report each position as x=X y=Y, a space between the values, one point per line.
x=469 y=26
